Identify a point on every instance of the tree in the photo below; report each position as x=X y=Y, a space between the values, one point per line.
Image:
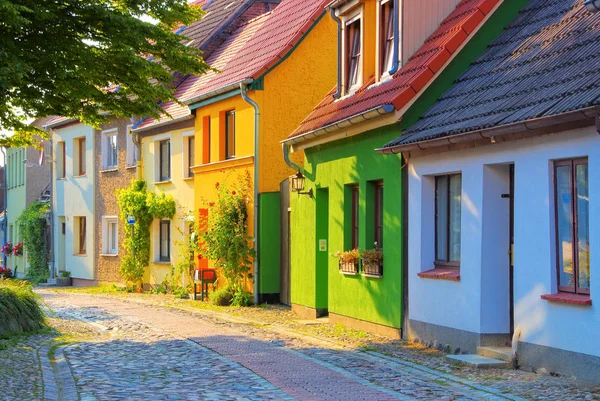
x=89 y=59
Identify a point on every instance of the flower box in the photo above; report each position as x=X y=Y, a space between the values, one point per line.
x=348 y=267
x=372 y=267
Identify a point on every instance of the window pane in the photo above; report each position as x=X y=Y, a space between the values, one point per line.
x=191 y=152
x=164 y=240
x=441 y=213
x=354 y=42
x=82 y=235
x=583 y=232
x=355 y=217
x=165 y=167
x=454 y=230
x=113 y=237
x=379 y=216
x=564 y=226
x=82 y=166
x=230 y=137
x=388 y=37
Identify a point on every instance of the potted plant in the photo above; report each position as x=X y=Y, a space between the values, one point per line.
x=64 y=279
x=372 y=262
x=7 y=249
x=18 y=249
x=348 y=261
x=5 y=272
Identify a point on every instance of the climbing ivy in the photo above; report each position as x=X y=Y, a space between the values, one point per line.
x=145 y=206
x=32 y=224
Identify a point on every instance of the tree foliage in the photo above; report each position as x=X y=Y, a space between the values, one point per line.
x=145 y=207
x=84 y=59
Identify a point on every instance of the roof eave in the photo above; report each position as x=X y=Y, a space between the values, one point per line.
x=534 y=126
x=60 y=123
x=338 y=125
x=163 y=124
x=219 y=91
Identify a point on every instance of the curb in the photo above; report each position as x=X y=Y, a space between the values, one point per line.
x=59 y=383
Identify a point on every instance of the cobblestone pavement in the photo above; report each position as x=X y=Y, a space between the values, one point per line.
x=154 y=353
x=20 y=374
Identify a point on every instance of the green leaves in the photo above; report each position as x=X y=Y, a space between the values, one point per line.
x=32 y=224
x=87 y=59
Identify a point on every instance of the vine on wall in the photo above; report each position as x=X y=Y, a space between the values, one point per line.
x=32 y=224
x=145 y=206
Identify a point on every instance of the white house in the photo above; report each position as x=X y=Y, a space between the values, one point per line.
x=73 y=200
x=504 y=186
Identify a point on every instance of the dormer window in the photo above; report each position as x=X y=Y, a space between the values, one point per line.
x=353 y=54
x=386 y=34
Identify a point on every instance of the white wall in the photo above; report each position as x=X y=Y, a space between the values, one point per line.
x=478 y=303
x=74 y=196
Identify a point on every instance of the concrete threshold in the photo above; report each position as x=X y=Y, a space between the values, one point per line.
x=477 y=361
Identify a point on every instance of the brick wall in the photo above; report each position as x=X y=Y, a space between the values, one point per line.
x=107 y=182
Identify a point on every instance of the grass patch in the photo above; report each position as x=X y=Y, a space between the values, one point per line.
x=20 y=309
x=97 y=289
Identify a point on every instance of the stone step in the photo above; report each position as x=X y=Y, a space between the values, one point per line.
x=501 y=353
x=477 y=361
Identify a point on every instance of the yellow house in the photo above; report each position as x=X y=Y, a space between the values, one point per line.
x=167 y=145
x=281 y=65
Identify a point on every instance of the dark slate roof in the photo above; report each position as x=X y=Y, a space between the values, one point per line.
x=546 y=62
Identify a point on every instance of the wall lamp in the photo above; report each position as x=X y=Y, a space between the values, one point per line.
x=298 y=185
x=592 y=5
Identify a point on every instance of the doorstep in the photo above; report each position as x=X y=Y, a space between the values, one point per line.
x=477 y=361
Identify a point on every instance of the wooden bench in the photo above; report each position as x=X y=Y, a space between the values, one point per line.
x=204 y=277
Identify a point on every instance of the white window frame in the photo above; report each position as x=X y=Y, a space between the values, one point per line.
x=156 y=149
x=186 y=153
x=132 y=151
x=382 y=76
x=107 y=221
x=347 y=19
x=107 y=137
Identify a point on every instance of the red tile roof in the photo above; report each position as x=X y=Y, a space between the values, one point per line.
x=286 y=26
x=410 y=78
x=218 y=59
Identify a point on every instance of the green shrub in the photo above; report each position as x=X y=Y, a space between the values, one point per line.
x=20 y=309
x=242 y=298
x=222 y=297
x=181 y=292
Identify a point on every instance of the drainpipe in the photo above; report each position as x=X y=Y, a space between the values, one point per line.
x=339 y=69
x=51 y=211
x=243 y=89
x=396 y=64
x=5 y=196
x=286 y=157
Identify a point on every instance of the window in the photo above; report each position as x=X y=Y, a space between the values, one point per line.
x=110 y=235
x=164 y=241
x=164 y=161
x=378 y=218
x=189 y=152
x=448 y=197
x=387 y=36
x=132 y=150
x=230 y=134
x=81 y=235
x=206 y=140
x=79 y=162
x=109 y=149
x=572 y=225
x=353 y=49
x=61 y=166
x=354 y=189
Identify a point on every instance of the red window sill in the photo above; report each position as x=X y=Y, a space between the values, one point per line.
x=568 y=298
x=441 y=274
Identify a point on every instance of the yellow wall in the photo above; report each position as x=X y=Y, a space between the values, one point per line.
x=180 y=187
x=291 y=92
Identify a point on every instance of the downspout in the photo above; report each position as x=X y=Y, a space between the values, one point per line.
x=139 y=165
x=286 y=157
x=5 y=196
x=256 y=194
x=397 y=14
x=339 y=69
x=51 y=211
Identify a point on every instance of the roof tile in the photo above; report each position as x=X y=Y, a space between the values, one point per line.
x=410 y=78
x=546 y=62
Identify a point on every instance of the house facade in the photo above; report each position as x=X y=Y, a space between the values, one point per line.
x=394 y=62
x=502 y=178
x=242 y=113
x=168 y=145
x=73 y=199
x=115 y=162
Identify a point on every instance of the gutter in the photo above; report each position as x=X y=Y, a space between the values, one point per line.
x=219 y=91
x=491 y=134
x=59 y=123
x=168 y=122
x=352 y=120
x=243 y=89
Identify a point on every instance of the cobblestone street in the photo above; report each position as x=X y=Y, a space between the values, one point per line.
x=145 y=352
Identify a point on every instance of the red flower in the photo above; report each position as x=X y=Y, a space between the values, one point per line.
x=233 y=192
x=211 y=204
x=217 y=185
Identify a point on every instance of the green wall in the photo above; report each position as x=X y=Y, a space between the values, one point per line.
x=330 y=169
x=270 y=242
